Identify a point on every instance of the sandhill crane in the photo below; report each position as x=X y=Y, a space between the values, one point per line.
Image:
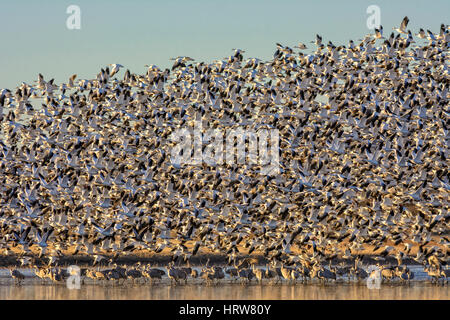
x=146 y=275
x=194 y=273
x=270 y=274
x=121 y=272
x=212 y=273
x=286 y=272
x=175 y=274
x=64 y=273
x=315 y=270
x=233 y=272
x=245 y=275
x=278 y=272
x=332 y=270
x=89 y=274
x=305 y=272
x=445 y=273
x=97 y=275
x=41 y=273
x=182 y=275
x=218 y=273
x=404 y=273
x=387 y=273
x=322 y=273
x=436 y=273
x=113 y=275
x=153 y=273
x=55 y=275
x=187 y=269
x=357 y=272
x=172 y=274
x=295 y=274
x=133 y=274
x=207 y=275
x=433 y=272
x=259 y=273
x=16 y=275
x=48 y=274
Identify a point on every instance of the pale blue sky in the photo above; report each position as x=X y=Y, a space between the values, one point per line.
x=34 y=37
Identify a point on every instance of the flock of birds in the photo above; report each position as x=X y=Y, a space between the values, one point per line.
x=85 y=166
x=245 y=272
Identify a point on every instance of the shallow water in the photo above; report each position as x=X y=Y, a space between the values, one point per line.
x=417 y=290
x=32 y=288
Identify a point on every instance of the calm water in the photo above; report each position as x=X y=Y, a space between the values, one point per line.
x=417 y=290
x=32 y=288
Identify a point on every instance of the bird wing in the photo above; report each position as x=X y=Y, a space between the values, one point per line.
x=404 y=23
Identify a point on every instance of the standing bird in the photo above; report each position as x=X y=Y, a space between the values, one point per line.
x=271 y=274
x=16 y=275
x=259 y=273
x=286 y=272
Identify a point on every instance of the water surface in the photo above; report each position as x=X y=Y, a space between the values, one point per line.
x=415 y=290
